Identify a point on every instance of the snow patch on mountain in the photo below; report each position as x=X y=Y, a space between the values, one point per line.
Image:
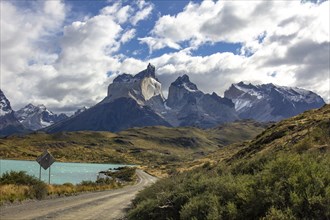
x=241 y=104
x=188 y=88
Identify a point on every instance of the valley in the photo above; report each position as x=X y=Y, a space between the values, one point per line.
x=272 y=170
x=159 y=149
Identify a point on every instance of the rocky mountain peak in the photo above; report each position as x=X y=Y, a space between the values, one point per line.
x=123 y=78
x=149 y=72
x=142 y=87
x=185 y=83
x=5 y=107
x=151 y=69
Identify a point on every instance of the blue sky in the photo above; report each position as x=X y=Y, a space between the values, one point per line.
x=64 y=54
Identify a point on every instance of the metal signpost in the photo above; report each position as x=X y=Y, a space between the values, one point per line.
x=45 y=160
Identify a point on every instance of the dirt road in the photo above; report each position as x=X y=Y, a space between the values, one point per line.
x=98 y=205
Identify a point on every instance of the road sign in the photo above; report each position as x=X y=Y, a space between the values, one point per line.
x=45 y=160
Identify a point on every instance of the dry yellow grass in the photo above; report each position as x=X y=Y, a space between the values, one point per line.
x=13 y=193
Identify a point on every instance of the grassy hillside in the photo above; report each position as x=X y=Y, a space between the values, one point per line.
x=160 y=148
x=283 y=173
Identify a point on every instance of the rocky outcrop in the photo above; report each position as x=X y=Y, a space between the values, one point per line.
x=142 y=87
x=194 y=108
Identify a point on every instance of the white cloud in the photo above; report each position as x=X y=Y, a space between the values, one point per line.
x=293 y=44
x=128 y=35
x=67 y=67
x=142 y=14
x=155 y=44
x=239 y=21
x=23 y=50
x=43 y=61
x=119 y=13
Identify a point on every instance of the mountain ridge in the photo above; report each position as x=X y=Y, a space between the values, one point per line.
x=186 y=105
x=269 y=102
x=35 y=117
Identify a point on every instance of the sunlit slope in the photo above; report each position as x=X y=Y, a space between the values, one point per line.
x=283 y=173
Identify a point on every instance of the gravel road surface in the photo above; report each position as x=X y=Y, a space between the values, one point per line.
x=97 y=205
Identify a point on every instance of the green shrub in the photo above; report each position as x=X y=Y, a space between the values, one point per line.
x=126 y=174
x=18 y=178
x=203 y=206
x=284 y=186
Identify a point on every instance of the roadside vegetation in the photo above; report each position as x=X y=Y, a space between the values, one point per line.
x=288 y=186
x=281 y=174
x=19 y=186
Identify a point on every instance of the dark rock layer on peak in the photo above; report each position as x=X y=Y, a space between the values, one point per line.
x=149 y=72
x=268 y=102
x=123 y=78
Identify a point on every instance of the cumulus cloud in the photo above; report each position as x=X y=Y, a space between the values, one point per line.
x=280 y=45
x=24 y=55
x=45 y=61
x=119 y=13
x=65 y=65
x=143 y=13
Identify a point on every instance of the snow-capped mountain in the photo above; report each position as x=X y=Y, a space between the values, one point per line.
x=37 y=117
x=188 y=106
x=137 y=101
x=8 y=122
x=269 y=102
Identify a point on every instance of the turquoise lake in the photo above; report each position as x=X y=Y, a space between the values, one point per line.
x=60 y=172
